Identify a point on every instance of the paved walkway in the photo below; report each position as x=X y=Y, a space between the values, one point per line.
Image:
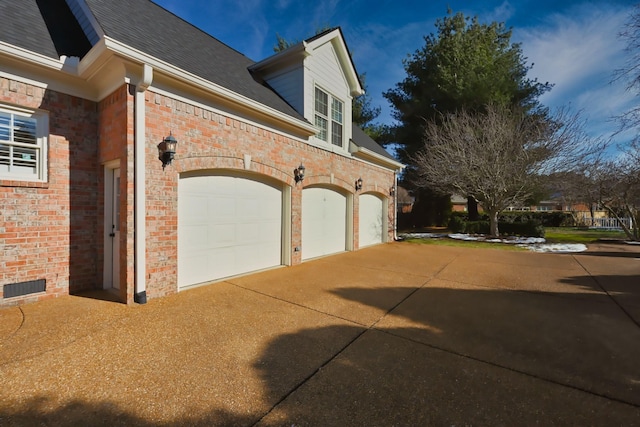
x=398 y=334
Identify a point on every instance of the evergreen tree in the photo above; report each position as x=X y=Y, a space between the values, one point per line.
x=464 y=65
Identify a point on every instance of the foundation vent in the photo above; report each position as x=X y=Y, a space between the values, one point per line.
x=24 y=288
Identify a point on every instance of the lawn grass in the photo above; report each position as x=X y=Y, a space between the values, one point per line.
x=578 y=235
x=445 y=241
x=552 y=235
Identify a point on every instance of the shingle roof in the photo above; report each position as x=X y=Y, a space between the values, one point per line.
x=149 y=28
x=45 y=27
x=361 y=139
x=22 y=25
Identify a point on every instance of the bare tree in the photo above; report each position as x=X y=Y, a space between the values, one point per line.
x=631 y=69
x=576 y=192
x=499 y=157
x=618 y=184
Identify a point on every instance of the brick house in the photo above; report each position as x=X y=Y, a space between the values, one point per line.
x=93 y=87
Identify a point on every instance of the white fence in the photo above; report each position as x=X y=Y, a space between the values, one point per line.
x=611 y=223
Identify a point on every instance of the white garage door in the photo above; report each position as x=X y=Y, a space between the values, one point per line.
x=324 y=222
x=226 y=226
x=371 y=220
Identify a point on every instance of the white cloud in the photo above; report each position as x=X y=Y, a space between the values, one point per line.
x=502 y=13
x=575 y=50
x=578 y=52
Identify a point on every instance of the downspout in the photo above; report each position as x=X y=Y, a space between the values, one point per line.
x=395 y=205
x=140 y=200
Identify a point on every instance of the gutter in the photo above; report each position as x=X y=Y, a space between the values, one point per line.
x=372 y=156
x=107 y=47
x=140 y=200
x=395 y=205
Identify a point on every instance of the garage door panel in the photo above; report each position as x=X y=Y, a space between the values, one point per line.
x=371 y=220
x=226 y=226
x=222 y=207
x=324 y=214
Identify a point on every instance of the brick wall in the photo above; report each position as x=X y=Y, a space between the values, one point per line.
x=209 y=140
x=47 y=230
x=115 y=115
x=55 y=230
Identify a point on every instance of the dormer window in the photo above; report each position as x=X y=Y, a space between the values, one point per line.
x=329 y=110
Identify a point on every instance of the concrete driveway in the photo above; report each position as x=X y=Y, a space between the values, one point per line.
x=399 y=334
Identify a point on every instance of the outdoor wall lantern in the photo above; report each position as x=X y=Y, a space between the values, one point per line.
x=359 y=184
x=298 y=173
x=392 y=191
x=167 y=150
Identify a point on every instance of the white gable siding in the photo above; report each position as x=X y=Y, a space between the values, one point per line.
x=290 y=86
x=323 y=70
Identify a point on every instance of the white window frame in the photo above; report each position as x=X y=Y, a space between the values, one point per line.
x=326 y=121
x=7 y=146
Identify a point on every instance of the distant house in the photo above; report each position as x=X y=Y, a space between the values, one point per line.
x=405 y=200
x=458 y=203
x=268 y=169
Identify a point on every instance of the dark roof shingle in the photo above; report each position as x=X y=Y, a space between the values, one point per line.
x=155 y=31
x=361 y=139
x=22 y=25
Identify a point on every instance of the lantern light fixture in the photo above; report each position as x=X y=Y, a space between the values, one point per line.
x=167 y=150
x=359 y=184
x=298 y=173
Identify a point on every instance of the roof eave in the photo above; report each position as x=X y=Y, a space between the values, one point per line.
x=30 y=56
x=373 y=157
x=299 y=50
x=102 y=52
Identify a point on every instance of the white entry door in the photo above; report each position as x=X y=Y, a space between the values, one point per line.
x=324 y=222
x=227 y=225
x=112 y=229
x=371 y=220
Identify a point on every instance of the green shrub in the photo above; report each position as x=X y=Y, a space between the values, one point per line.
x=546 y=218
x=456 y=224
x=526 y=229
x=477 y=227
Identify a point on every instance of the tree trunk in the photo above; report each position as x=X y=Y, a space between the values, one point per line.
x=493 y=224
x=472 y=208
x=613 y=213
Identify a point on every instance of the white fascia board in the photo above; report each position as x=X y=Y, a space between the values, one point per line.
x=29 y=56
x=374 y=157
x=108 y=47
x=281 y=59
x=42 y=71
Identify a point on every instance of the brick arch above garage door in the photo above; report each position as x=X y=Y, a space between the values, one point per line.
x=235 y=165
x=229 y=223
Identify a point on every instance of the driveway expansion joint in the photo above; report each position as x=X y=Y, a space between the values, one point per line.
x=606 y=291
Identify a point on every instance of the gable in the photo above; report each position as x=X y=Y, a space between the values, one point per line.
x=326 y=71
x=336 y=38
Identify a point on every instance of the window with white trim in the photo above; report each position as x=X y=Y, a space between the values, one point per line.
x=23 y=148
x=329 y=118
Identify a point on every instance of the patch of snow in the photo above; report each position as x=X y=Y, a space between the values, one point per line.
x=460 y=236
x=558 y=248
x=535 y=244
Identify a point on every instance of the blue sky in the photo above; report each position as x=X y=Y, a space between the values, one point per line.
x=571 y=44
